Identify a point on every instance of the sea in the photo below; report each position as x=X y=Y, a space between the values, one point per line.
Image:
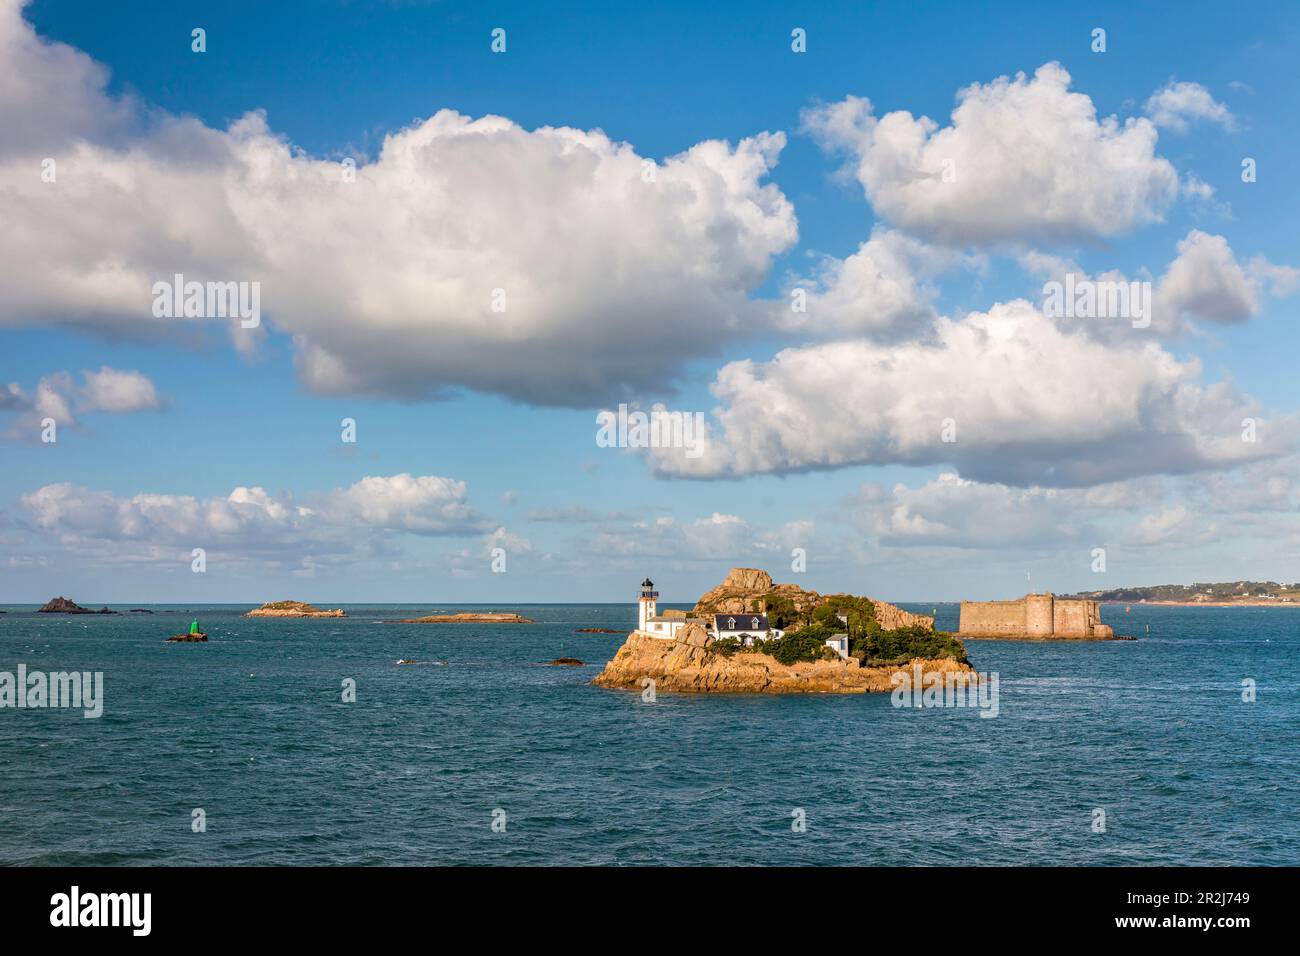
x=1182 y=747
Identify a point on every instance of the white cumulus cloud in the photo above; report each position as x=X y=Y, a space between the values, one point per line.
x=883 y=290
x=553 y=265
x=1177 y=103
x=1022 y=159
x=1025 y=402
x=420 y=504
x=57 y=396
x=1205 y=281
x=113 y=390
x=250 y=523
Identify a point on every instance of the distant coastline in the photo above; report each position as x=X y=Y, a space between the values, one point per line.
x=1201 y=594
x=1249 y=603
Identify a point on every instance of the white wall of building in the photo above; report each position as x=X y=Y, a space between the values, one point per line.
x=647 y=611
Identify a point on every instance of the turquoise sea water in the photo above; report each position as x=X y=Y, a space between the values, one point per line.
x=251 y=728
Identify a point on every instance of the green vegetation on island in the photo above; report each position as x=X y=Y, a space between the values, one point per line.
x=808 y=630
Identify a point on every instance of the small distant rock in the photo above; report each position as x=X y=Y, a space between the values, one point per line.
x=598 y=630
x=292 y=609
x=61 y=605
x=470 y=617
x=567 y=662
x=186 y=639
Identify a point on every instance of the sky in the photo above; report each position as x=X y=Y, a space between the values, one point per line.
x=824 y=234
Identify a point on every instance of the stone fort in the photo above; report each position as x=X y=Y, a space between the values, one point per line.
x=1036 y=617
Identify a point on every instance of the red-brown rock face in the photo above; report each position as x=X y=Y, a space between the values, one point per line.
x=684 y=666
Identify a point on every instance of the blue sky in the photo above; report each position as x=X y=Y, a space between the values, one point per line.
x=580 y=522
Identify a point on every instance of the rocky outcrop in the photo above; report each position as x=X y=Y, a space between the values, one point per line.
x=745 y=589
x=292 y=609
x=61 y=605
x=748 y=579
x=689 y=665
x=186 y=639
x=470 y=617
x=566 y=662
x=891 y=618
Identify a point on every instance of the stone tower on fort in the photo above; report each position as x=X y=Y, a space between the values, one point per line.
x=1039 y=617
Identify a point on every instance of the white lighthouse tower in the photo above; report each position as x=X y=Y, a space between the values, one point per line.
x=648 y=601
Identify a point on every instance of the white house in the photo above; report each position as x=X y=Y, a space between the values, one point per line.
x=746 y=628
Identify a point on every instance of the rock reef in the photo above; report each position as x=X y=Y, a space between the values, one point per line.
x=292 y=609
x=61 y=605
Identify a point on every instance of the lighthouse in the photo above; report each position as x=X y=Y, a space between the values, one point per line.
x=648 y=601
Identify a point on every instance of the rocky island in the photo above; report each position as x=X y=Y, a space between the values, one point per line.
x=470 y=617
x=292 y=609
x=749 y=635
x=61 y=605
